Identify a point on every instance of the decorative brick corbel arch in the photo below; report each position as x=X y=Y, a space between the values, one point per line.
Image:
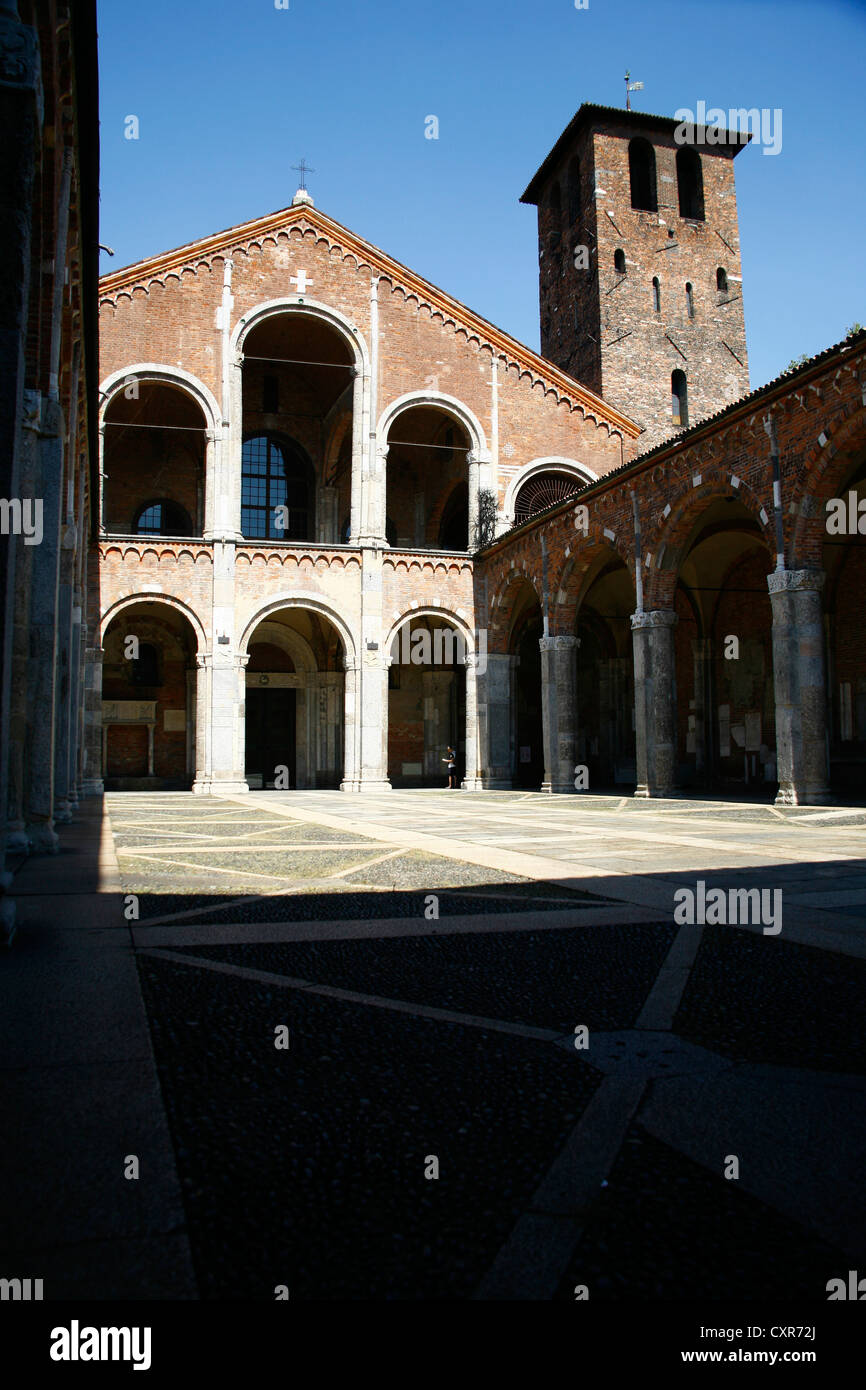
x=665 y=540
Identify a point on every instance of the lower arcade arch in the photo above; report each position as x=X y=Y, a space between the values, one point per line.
x=427 y=702
x=149 y=699
x=294 y=720
x=726 y=715
x=605 y=719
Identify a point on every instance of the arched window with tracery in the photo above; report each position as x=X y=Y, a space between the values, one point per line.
x=544 y=490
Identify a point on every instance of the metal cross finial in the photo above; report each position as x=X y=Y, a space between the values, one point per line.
x=303 y=169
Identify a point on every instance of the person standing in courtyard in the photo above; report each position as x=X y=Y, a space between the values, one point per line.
x=451 y=760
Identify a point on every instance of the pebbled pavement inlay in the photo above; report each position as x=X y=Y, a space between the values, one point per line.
x=555 y=978
x=762 y=999
x=665 y=1227
x=306 y=1167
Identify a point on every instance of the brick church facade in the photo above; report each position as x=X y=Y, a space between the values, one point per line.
x=346 y=524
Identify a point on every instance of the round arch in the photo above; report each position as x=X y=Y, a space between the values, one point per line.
x=667 y=539
x=149 y=596
x=161 y=375
x=289 y=641
x=296 y=598
x=325 y=313
x=446 y=614
x=450 y=405
x=556 y=463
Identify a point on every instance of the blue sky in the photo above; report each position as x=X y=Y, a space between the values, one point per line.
x=229 y=94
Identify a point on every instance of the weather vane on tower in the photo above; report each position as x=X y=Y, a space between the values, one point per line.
x=629 y=88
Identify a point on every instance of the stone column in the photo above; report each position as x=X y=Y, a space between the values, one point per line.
x=800 y=687
x=76 y=701
x=41 y=673
x=374 y=722
x=373 y=500
x=702 y=653
x=655 y=702
x=228 y=723
x=495 y=722
x=92 y=763
x=558 y=711
x=361 y=477
x=327 y=521
x=472 y=462
x=351 y=775
x=471 y=779
x=203 y=778
x=63 y=731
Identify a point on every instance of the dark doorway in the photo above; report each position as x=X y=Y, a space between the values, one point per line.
x=270 y=725
x=529 y=745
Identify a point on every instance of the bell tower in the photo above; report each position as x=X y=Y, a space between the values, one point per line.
x=640 y=280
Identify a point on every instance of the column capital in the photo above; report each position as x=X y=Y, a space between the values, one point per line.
x=562 y=642
x=787 y=581
x=661 y=617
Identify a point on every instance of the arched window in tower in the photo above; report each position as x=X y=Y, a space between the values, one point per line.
x=690 y=301
x=679 y=399
x=657 y=295
x=575 y=205
x=642 y=174
x=619 y=261
x=275 y=475
x=690 y=182
x=722 y=280
x=162 y=518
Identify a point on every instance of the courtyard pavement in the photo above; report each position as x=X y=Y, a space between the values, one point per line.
x=492 y=987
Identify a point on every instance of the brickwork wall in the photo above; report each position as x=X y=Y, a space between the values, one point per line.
x=600 y=325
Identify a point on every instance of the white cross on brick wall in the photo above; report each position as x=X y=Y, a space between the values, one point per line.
x=301 y=281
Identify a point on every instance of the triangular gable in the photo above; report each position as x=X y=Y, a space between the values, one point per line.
x=247 y=234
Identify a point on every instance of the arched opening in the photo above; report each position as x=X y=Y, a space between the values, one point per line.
x=722 y=280
x=298 y=375
x=605 y=742
x=657 y=295
x=642 y=174
x=149 y=699
x=527 y=629
x=162 y=518
x=844 y=564
x=426 y=702
x=690 y=300
x=545 y=490
x=679 y=400
x=724 y=654
x=427 y=493
x=294 y=716
x=690 y=184
x=153 y=462
x=619 y=261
